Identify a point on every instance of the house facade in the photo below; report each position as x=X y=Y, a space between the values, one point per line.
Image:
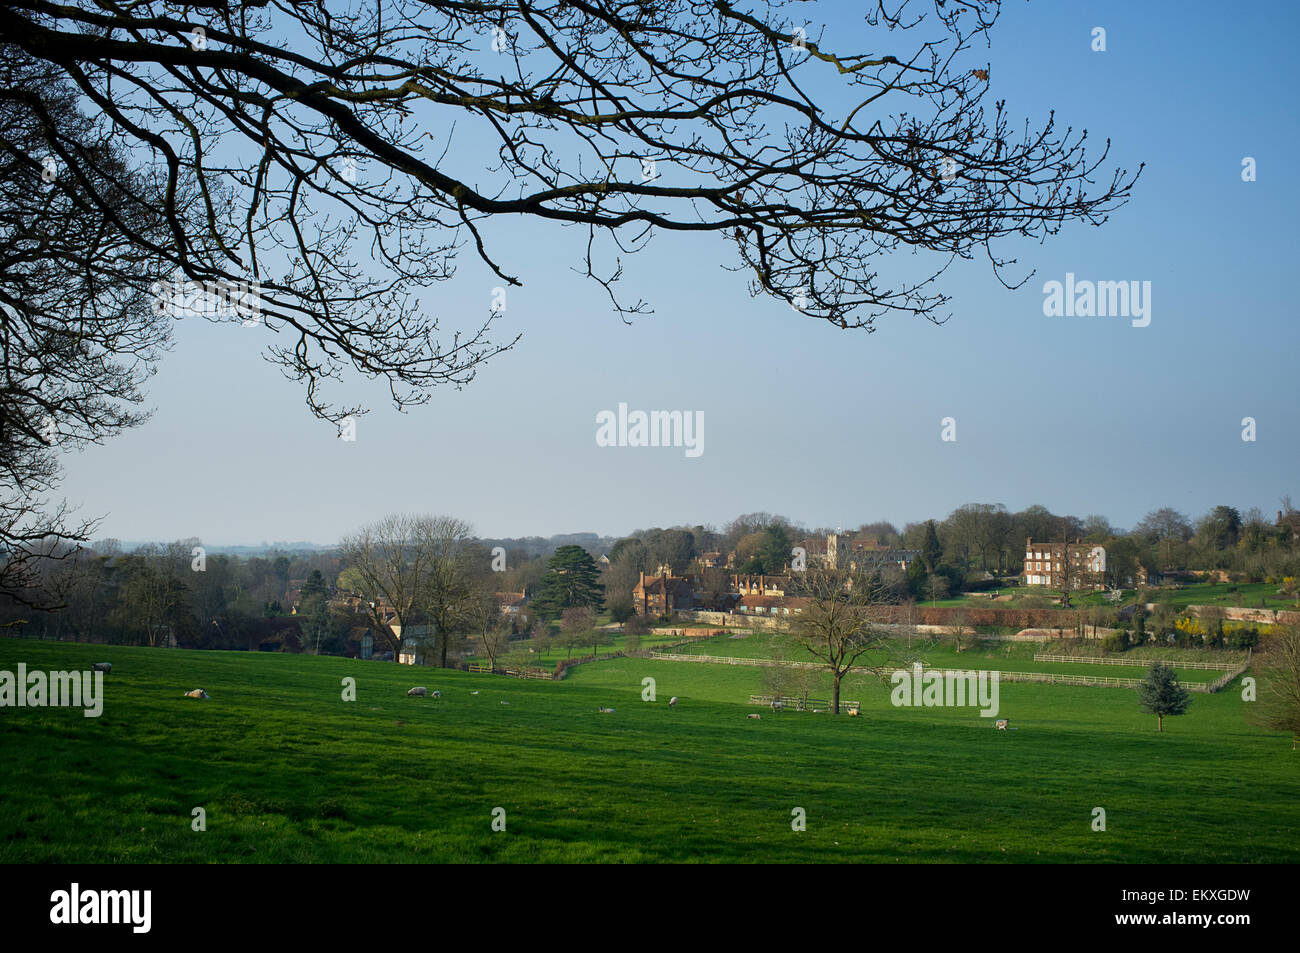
x=662 y=594
x=1046 y=564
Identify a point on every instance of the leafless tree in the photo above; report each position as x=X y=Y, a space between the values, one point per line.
x=78 y=334
x=456 y=574
x=316 y=151
x=389 y=559
x=1279 y=682
x=490 y=627
x=841 y=621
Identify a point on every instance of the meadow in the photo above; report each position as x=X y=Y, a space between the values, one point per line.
x=978 y=654
x=287 y=771
x=1249 y=595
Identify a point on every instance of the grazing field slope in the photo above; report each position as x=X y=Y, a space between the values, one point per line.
x=287 y=771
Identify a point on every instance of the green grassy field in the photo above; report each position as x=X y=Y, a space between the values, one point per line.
x=1243 y=595
x=556 y=653
x=289 y=772
x=985 y=655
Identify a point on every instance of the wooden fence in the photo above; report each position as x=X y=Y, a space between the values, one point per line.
x=723 y=660
x=799 y=703
x=1109 y=681
x=482 y=669
x=1141 y=663
x=1048 y=677
x=531 y=673
x=1226 y=679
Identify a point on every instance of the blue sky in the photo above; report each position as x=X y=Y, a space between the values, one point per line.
x=1083 y=415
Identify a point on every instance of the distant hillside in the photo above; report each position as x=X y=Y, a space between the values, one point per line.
x=532 y=545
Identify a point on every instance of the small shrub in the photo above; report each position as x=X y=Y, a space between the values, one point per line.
x=1243 y=638
x=1115 y=642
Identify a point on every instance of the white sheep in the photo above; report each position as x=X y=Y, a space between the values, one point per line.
x=777 y=705
x=420 y=691
x=196 y=693
x=1002 y=724
x=672 y=702
x=437 y=694
x=102 y=667
x=754 y=716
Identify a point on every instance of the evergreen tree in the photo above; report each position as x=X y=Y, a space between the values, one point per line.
x=314 y=608
x=1160 y=694
x=572 y=580
x=931 y=550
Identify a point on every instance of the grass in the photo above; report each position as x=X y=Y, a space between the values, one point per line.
x=985 y=655
x=289 y=772
x=556 y=653
x=1242 y=595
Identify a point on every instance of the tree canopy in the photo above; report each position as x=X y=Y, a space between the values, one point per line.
x=572 y=580
x=317 y=151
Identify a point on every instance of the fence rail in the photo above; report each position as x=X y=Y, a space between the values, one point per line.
x=482 y=669
x=1110 y=681
x=724 y=660
x=799 y=703
x=1048 y=677
x=1142 y=663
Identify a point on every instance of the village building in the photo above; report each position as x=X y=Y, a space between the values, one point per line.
x=1046 y=564
x=663 y=594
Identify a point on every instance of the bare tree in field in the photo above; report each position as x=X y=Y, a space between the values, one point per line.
x=391 y=561
x=1278 y=670
x=490 y=627
x=456 y=574
x=960 y=620
x=793 y=681
x=841 y=622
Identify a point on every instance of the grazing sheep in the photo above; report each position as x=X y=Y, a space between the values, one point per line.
x=475 y=692
x=196 y=693
x=672 y=702
x=776 y=705
x=753 y=716
x=1002 y=724
x=421 y=691
x=102 y=667
x=437 y=694
x=853 y=713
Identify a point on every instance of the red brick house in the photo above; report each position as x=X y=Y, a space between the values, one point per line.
x=662 y=594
